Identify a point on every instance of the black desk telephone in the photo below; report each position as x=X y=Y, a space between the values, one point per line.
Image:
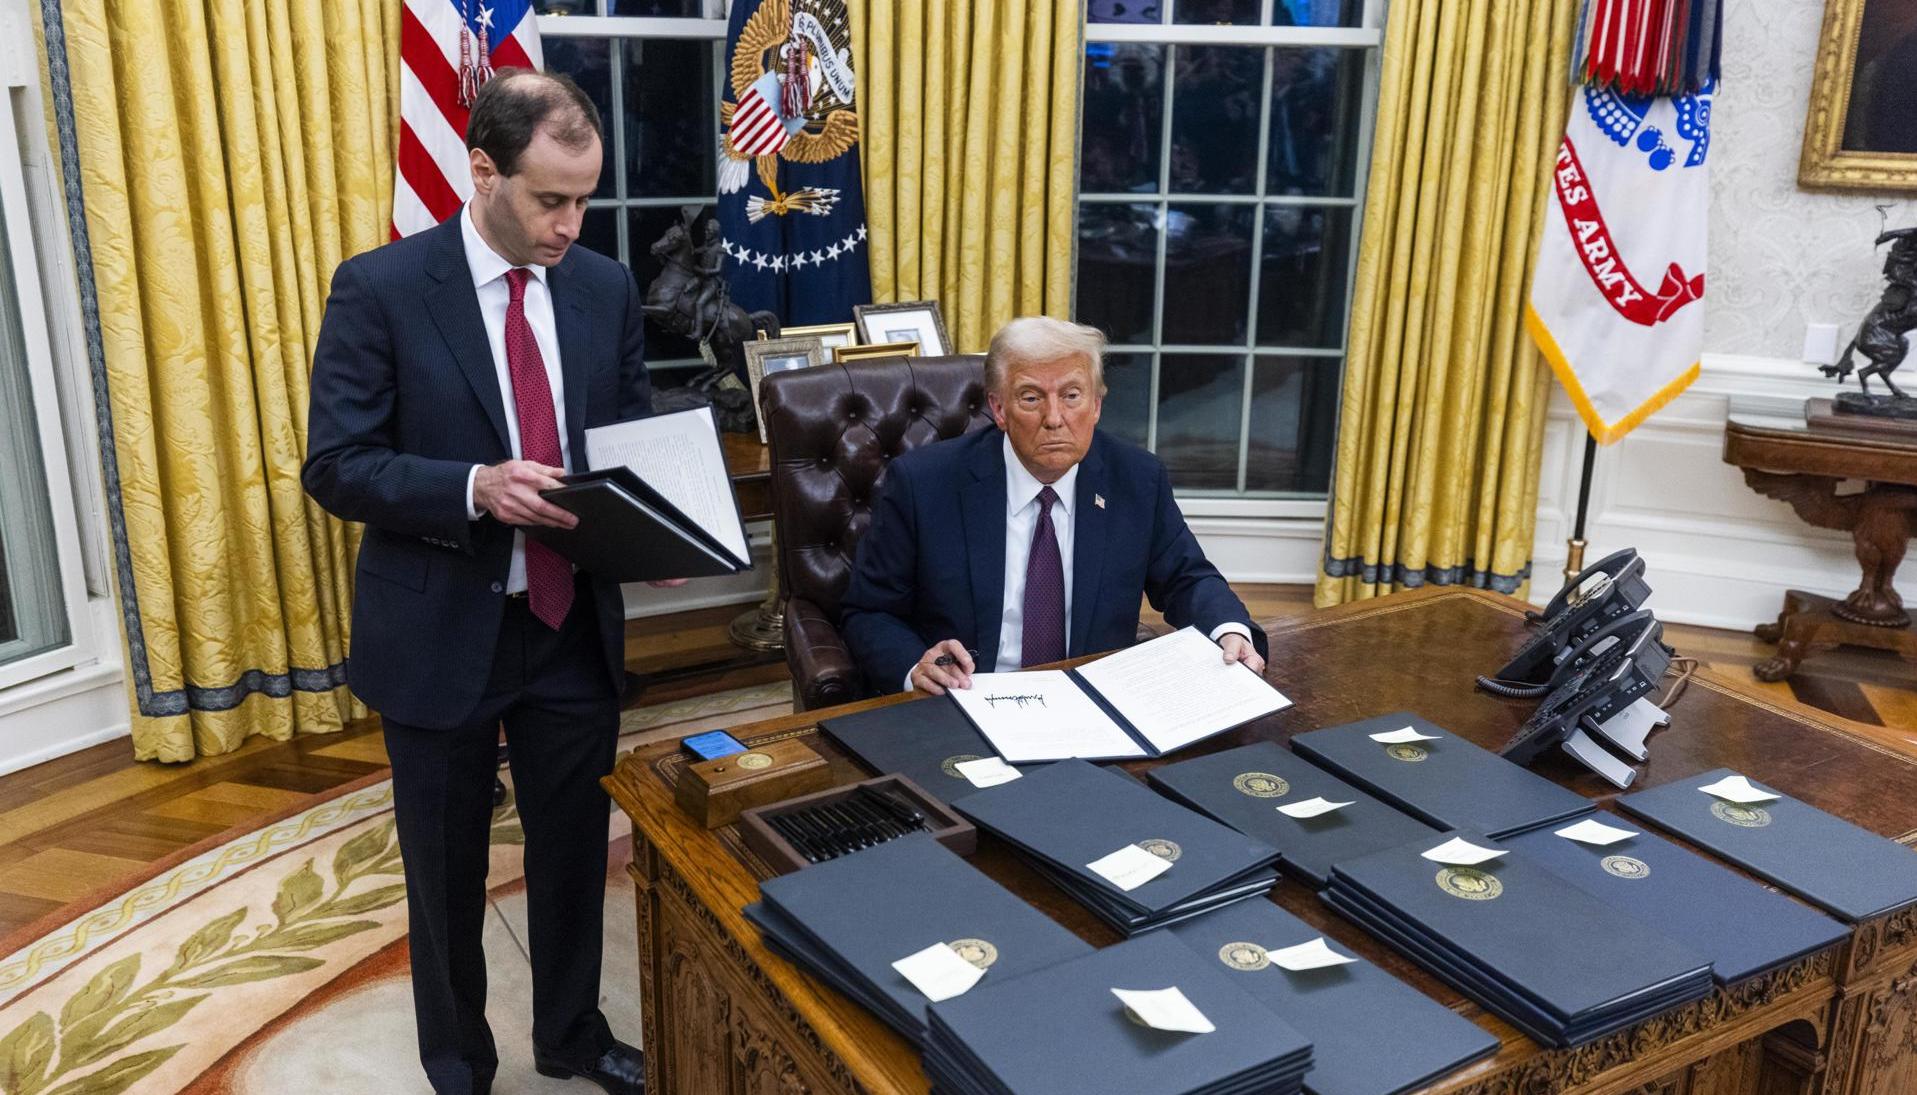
x=1594 y=660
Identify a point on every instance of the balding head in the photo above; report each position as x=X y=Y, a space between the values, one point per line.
x=518 y=103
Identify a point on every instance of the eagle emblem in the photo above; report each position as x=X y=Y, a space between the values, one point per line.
x=792 y=88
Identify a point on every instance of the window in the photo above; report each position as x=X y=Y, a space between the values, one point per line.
x=1220 y=175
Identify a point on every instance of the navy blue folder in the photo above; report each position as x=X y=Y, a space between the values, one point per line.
x=1061 y=1031
x=1448 y=782
x=1069 y=813
x=1244 y=787
x=1852 y=872
x=1743 y=928
x=1344 y=1010
x=869 y=909
x=920 y=741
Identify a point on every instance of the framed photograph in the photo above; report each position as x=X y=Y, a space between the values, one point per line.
x=778 y=355
x=830 y=335
x=1861 y=133
x=909 y=321
x=875 y=350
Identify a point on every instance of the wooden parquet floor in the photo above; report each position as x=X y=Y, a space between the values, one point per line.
x=87 y=823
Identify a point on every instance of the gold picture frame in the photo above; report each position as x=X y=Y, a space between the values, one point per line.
x=1832 y=157
x=831 y=335
x=906 y=320
x=778 y=355
x=874 y=350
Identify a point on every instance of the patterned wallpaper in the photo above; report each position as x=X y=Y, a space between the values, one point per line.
x=1781 y=257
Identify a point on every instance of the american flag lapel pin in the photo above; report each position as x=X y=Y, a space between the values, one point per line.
x=1098 y=500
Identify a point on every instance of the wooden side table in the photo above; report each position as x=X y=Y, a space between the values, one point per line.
x=1804 y=467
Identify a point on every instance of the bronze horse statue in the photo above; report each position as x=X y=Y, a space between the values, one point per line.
x=689 y=299
x=1882 y=336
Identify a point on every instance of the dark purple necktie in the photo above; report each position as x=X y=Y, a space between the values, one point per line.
x=1044 y=639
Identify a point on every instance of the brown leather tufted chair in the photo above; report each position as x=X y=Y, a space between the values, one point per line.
x=832 y=429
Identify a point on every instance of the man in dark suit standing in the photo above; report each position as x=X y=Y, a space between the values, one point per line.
x=1031 y=543
x=456 y=374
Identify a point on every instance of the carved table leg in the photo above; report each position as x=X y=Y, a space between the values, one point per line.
x=1799 y=631
x=1793 y=604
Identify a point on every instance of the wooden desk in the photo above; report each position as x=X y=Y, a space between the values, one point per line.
x=749 y=465
x=725 y=1015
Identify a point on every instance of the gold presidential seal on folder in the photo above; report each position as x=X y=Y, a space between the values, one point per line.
x=950 y=764
x=1736 y=813
x=1260 y=784
x=1625 y=866
x=976 y=951
x=1167 y=850
x=1407 y=751
x=1243 y=956
x=1469 y=883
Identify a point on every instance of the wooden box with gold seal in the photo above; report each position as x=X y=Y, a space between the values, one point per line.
x=716 y=791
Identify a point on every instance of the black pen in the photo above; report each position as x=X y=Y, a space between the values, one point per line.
x=952 y=659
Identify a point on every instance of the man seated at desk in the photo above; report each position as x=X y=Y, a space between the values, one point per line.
x=1031 y=543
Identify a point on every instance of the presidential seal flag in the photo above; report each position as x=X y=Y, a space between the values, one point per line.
x=791 y=208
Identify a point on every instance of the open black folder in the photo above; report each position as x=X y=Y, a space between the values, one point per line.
x=680 y=521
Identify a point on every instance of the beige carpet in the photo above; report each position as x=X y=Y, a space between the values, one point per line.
x=274 y=960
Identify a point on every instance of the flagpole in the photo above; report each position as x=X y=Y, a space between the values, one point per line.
x=1574 y=547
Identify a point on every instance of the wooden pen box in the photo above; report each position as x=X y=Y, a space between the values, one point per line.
x=947 y=827
x=717 y=791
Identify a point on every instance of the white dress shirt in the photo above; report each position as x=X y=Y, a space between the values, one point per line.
x=489 y=283
x=1021 y=521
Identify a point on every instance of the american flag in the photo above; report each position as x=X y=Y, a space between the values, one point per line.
x=446 y=49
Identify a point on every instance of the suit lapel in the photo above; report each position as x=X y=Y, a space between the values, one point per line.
x=983 y=506
x=455 y=310
x=1090 y=527
x=569 y=317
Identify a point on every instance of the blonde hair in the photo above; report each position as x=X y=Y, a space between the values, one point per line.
x=1034 y=339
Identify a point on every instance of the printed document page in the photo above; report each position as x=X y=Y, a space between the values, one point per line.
x=678 y=455
x=1041 y=715
x=1177 y=689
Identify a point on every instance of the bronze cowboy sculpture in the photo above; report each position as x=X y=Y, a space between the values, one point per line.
x=689 y=299
x=1882 y=337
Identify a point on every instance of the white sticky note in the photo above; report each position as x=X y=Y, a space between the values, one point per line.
x=1129 y=867
x=1593 y=831
x=1315 y=955
x=1459 y=852
x=1311 y=807
x=1737 y=789
x=1400 y=737
x=987 y=771
x=938 y=972
x=1164 y=1009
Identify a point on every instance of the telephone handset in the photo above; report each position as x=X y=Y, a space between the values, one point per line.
x=1599 y=594
x=1597 y=694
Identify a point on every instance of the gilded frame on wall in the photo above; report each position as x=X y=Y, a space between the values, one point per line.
x=1837 y=151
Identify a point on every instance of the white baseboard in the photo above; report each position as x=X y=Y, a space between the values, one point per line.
x=63 y=713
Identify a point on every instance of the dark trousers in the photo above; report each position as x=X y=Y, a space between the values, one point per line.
x=551 y=691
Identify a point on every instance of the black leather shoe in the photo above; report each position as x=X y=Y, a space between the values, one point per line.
x=620 y=1070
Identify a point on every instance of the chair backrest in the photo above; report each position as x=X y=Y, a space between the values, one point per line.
x=832 y=430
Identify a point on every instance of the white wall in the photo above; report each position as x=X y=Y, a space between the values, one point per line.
x=1718 y=553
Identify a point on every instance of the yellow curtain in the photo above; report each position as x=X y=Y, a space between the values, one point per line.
x=227 y=154
x=969 y=149
x=1444 y=395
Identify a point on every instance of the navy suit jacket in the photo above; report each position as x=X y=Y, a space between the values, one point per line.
x=405 y=400
x=932 y=565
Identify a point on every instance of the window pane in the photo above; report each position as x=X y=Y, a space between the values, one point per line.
x=1124 y=11
x=589 y=61
x=1315 y=99
x=1117 y=255
x=1128 y=397
x=1199 y=397
x=644 y=226
x=1207 y=274
x=33 y=615
x=1317 y=13
x=1294 y=409
x=1215 y=11
x=1301 y=281
x=1215 y=119
x=1123 y=110
x=599 y=231
x=670 y=117
x=687 y=8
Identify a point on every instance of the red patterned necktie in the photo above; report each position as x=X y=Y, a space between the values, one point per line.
x=548 y=574
x=1044 y=617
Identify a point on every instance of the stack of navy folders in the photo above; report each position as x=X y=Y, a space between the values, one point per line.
x=1250 y=787
x=1371 y=1034
x=1063 y=817
x=1557 y=963
x=1742 y=927
x=846 y=921
x=923 y=741
x=1438 y=777
x=1062 y=1031
x=1853 y=873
